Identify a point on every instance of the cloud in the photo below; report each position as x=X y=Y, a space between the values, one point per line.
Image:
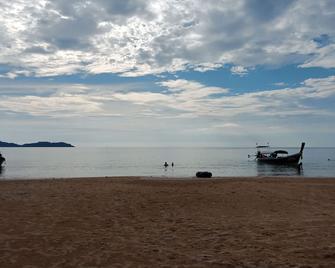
x=178 y=98
x=280 y=84
x=50 y=100
x=141 y=98
x=239 y=70
x=135 y=38
x=325 y=57
x=170 y=110
x=226 y=125
x=216 y=128
x=284 y=102
x=55 y=106
x=194 y=88
x=267 y=10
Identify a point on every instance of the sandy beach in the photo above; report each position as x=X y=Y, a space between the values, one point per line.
x=143 y=222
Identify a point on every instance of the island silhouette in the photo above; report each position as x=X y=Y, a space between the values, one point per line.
x=36 y=144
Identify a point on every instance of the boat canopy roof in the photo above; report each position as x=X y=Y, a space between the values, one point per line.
x=280 y=152
x=262 y=146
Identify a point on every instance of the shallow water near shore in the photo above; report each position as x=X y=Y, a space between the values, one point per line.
x=90 y=162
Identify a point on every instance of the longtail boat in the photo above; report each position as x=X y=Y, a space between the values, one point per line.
x=280 y=157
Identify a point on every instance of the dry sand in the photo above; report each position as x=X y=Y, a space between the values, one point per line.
x=137 y=222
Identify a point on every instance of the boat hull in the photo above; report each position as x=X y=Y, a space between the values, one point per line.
x=287 y=160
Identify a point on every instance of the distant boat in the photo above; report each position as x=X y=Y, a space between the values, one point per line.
x=2 y=159
x=278 y=157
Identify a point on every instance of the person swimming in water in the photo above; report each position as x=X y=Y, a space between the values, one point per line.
x=166 y=164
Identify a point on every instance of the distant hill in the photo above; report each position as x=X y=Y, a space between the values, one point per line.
x=7 y=144
x=36 y=144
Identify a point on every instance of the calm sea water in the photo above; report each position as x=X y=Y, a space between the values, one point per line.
x=89 y=162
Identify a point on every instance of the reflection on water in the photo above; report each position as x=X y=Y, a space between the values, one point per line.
x=265 y=169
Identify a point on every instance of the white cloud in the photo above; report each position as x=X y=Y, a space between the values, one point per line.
x=239 y=70
x=10 y=75
x=141 y=98
x=193 y=88
x=52 y=106
x=50 y=100
x=179 y=98
x=181 y=107
x=227 y=125
x=324 y=57
x=285 y=102
x=280 y=84
x=134 y=38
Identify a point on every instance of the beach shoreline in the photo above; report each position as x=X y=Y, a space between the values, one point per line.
x=168 y=178
x=166 y=222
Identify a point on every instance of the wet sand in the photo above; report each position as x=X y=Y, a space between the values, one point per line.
x=141 y=222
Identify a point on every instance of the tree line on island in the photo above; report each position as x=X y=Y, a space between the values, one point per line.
x=36 y=144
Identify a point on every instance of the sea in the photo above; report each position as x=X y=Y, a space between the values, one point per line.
x=34 y=163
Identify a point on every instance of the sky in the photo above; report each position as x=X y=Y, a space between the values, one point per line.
x=168 y=73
